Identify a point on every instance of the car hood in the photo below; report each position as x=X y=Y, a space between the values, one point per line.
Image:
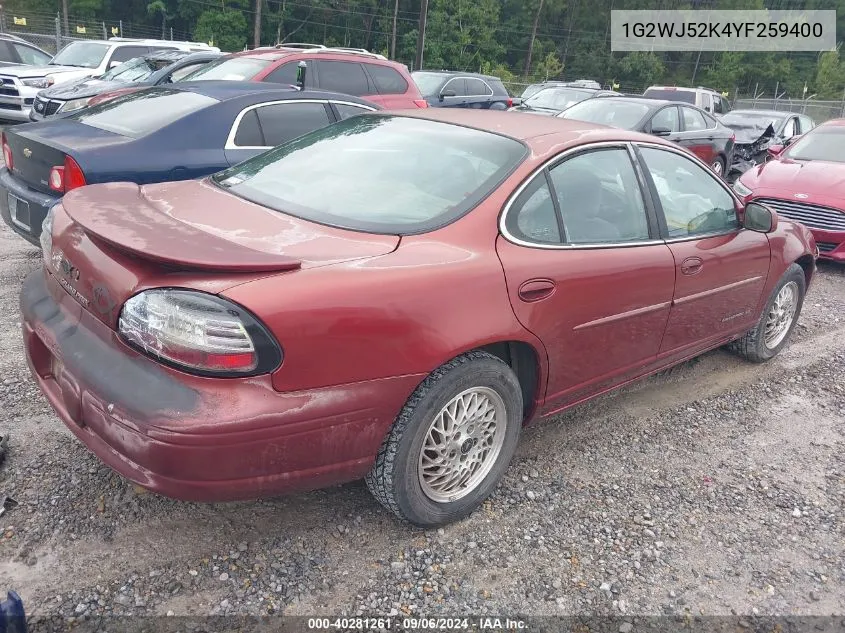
x=753 y=135
x=545 y=111
x=79 y=89
x=42 y=71
x=821 y=182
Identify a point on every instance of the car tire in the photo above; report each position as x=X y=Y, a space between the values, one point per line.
x=718 y=166
x=771 y=334
x=406 y=479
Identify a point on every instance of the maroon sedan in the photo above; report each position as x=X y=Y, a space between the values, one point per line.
x=392 y=297
x=806 y=182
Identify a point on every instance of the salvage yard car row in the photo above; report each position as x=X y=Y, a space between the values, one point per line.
x=250 y=289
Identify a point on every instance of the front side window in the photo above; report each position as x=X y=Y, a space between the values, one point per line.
x=693 y=201
x=82 y=54
x=29 y=55
x=143 y=112
x=378 y=173
x=693 y=120
x=600 y=198
x=666 y=120
x=346 y=77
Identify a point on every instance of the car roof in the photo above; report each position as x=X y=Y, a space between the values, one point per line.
x=524 y=126
x=458 y=73
x=225 y=90
x=652 y=103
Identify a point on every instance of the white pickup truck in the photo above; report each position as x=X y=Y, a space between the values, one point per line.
x=77 y=60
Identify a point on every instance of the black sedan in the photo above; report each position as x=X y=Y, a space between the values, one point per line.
x=180 y=131
x=554 y=100
x=686 y=125
x=157 y=68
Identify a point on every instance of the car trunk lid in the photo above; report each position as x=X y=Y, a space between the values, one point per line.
x=110 y=241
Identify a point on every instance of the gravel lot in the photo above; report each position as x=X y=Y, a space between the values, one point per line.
x=716 y=489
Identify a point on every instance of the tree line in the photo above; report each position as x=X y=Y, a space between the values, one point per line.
x=518 y=40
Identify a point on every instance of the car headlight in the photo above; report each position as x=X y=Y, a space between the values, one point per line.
x=74 y=104
x=741 y=190
x=39 y=82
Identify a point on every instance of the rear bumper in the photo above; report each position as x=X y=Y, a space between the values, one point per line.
x=27 y=225
x=202 y=439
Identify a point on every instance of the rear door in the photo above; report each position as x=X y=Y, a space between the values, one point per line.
x=261 y=127
x=586 y=270
x=697 y=135
x=479 y=93
x=391 y=86
x=345 y=77
x=720 y=268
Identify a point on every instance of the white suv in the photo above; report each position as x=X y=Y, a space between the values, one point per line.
x=705 y=98
x=77 y=60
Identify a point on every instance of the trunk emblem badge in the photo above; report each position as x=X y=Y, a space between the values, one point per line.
x=27 y=152
x=802 y=196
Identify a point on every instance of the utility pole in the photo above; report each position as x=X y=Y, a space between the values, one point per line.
x=64 y=17
x=393 y=36
x=256 y=38
x=421 y=38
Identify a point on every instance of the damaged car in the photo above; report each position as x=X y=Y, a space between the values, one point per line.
x=392 y=298
x=757 y=130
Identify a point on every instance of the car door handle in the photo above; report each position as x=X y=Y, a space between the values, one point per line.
x=691 y=266
x=536 y=289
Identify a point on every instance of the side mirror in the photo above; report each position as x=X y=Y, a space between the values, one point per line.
x=661 y=131
x=775 y=150
x=447 y=93
x=759 y=218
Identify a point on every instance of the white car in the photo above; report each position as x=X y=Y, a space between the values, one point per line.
x=77 y=60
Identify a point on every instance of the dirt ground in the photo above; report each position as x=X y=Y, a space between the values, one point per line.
x=716 y=489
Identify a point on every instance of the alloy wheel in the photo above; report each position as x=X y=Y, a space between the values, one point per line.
x=780 y=316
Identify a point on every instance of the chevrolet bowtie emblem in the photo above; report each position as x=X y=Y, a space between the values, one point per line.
x=27 y=152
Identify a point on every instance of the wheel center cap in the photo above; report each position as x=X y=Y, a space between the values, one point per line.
x=466 y=447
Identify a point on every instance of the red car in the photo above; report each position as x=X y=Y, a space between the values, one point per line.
x=806 y=183
x=351 y=71
x=392 y=297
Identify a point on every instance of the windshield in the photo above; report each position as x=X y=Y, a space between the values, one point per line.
x=143 y=112
x=428 y=83
x=137 y=69
x=614 y=112
x=686 y=96
x=382 y=174
x=230 y=69
x=557 y=98
x=82 y=54
x=751 y=120
x=823 y=143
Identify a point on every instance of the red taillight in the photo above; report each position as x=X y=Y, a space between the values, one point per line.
x=65 y=177
x=510 y=103
x=7 y=152
x=421 y=103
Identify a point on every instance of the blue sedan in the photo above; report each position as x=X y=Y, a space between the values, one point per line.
x=164 y=133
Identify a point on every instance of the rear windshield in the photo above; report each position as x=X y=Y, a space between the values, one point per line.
x=613 y=112
x=231 y=69
x=143 y=112
x=686 y=96
x=558 y=98
x=823 y=143
x=381 y=174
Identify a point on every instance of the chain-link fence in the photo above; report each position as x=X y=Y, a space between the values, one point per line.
x=819 y=111
x=47 y=30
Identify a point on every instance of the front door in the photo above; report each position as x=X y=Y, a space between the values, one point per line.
x=587 y=273
x=720 y=267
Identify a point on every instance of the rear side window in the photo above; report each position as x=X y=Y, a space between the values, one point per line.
x=284 y=74
x=346 y=77
x=388 y=81
x=143 y=112
x=249 y=131
x=477 y=87
x=125 y=53
x=693 y=120
x=345 y=110
x=286 y=121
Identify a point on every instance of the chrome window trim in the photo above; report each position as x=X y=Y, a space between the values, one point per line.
x=538 y=172
x=629 y=145
x=485 y=83
x=233 y=131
